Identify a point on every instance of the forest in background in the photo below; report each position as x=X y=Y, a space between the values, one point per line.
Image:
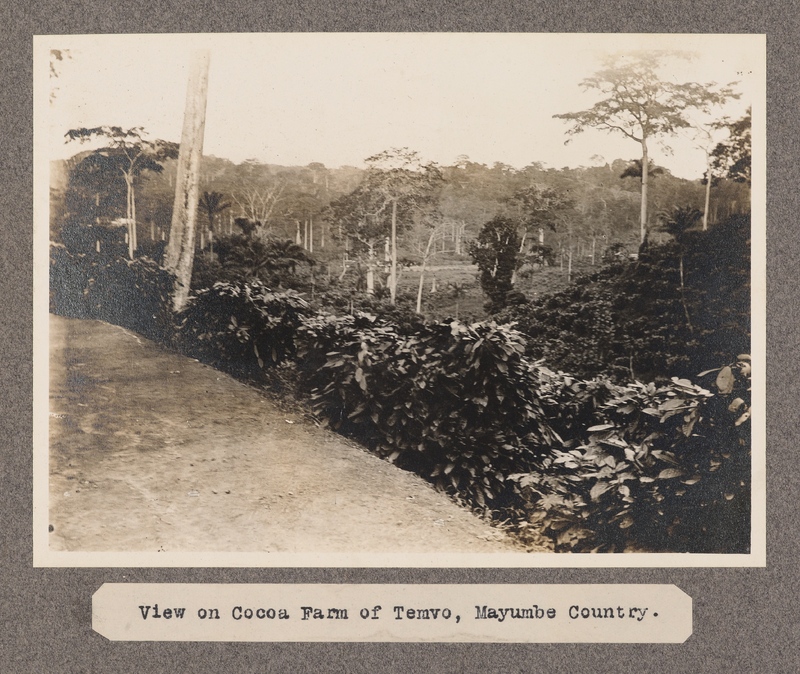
x=568 y=219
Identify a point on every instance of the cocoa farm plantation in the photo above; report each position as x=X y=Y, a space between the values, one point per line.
x=402 y=350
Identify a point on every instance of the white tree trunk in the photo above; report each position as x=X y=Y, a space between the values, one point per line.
x=134 y=241
x=180 y=249
x=129 y=213
x=393 y=277
x=645 y=171
x=422 y=271
x=708 y=191
x=371 y=270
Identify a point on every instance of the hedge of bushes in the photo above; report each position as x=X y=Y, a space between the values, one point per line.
x=454 y=403
x=594 y=464
x=242 y=329
x=659 y=468
x=132 y=293
x=628 y=321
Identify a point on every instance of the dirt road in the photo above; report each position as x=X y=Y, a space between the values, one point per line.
x=153 y=451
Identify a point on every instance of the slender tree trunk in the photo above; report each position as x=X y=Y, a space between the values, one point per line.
x=128 y=214
x=393 y=282
x=134 y=238
x=422 y=271
x=393 y=268
x=371 y=270
x=311 y=234
x=645 y=176
x=180 y=249
x=708 y=191
x=683 y=297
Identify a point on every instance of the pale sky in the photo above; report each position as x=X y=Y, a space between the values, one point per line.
x=338 y=98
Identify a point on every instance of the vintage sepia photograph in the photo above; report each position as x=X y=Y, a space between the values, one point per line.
x=399 y=299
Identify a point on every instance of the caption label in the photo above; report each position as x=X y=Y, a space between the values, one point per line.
x=415 y=613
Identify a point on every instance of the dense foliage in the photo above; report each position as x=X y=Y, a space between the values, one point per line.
x=132 y=293
x=538 y=417
x=629 y=321
x=241 y=328
x=454 y=403
x=660 y=468
x=595 y=465
x=495 y=252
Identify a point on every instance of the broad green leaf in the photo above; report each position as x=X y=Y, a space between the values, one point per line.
x=725 y=380
x=671 y=404
x=736 y=403
x=598 y=490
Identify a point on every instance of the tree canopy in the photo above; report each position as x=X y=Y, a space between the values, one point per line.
x=126 y=154
x=496 y=253
x=734 y=156
x=640 y=105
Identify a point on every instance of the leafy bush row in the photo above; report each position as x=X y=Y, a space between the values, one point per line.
x=661 y=468
x=629 y=320
x=609 y=467
x=596 y=465
x=135 y=294
x=241 y=329
x=455 y=403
